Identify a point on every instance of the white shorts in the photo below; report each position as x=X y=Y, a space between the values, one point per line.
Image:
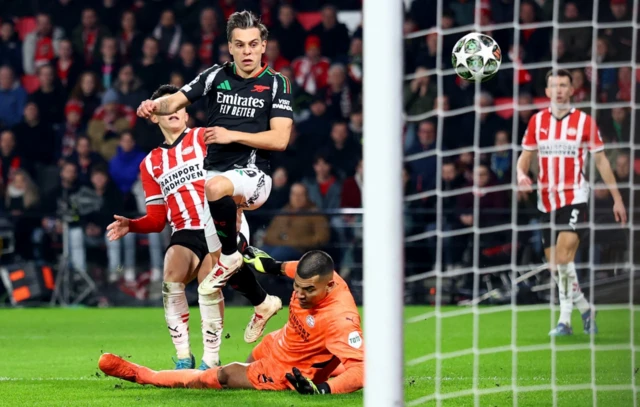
x=211 y=234
x=253 y=185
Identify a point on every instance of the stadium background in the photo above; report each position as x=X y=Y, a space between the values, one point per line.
x=73 y=73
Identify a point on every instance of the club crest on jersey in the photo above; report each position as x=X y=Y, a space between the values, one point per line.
x=187 y=150
x=260 y=88
x=572 y=132
x=311 y=321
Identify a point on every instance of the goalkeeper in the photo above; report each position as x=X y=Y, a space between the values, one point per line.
x=322 y=332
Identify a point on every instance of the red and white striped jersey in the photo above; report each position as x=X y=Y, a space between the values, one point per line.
x=562 y=146
x=174 y=174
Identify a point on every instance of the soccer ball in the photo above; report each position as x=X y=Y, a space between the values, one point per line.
x=476 y=57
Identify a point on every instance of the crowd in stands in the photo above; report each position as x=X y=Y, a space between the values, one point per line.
x=73 y=72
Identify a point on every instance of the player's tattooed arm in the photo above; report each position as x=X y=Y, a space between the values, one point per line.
x=170 y=104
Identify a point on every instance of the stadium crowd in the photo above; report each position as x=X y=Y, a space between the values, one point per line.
x=73 y=72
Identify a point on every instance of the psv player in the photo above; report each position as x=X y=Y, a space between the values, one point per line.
x=249 y=114
x=173 y=180
x=323 y=330
x=562 y=135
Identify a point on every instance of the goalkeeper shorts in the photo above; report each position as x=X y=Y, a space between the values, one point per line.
x=265 y=373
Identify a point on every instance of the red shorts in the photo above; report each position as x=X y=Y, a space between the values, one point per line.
x=265 y=373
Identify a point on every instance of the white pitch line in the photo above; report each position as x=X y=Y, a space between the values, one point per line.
x=44 y=379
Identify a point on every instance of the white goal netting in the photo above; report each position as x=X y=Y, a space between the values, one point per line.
x=473 y=241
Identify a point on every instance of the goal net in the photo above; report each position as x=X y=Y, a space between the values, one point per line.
x=473 y=247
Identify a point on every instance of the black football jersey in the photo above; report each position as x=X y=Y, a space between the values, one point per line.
x=240 y=104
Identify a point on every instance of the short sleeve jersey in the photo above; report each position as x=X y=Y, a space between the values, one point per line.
x=240 y=104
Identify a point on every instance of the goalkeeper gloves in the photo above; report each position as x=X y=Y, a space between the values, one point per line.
x=304 y=385
x=261 y=262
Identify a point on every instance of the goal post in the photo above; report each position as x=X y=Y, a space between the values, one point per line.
x=382 y=203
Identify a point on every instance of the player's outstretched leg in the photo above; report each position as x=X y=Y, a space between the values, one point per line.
x=567 y=280
x=178 y=262
x=265 y=306
x=115 y=366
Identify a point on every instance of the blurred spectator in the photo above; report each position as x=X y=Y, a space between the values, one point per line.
x=49 y=97
x=622 y=92
x=343 y=152
x=289 y=33
x=314 y=131
x=61 y=208
x=168 y=34
x=525 y=111
x=351 y=196
x=455 y=132
x=355 y=124
x=533 y=40
x=36 y=139
x=272 y=56
x=109 y=11
x=620 y=38
x=411 y=46
x=87 y=37
x=71 y=130
x=124 y=166
x=502 y=159
x=87 y=91
x=334 y=36
x=21 y=201
x=66 y=13
x=206 y=38
x=104 y=130
x=127 y=89
x=107 y=65
x=223 y=53
x=339 y=95
x=106 y=200
x=10 y=160
x=297 y=229
x=465 y=163
x=294 y=160
x=618 y=128
x=300 y=99
x=606 y=76
x=67 y=67
x=562 y=54
x=187 y=62
x=151 y=68
x=10 y=47
x=85 y=160
x=424 y=169
x=576 y=39
x=41 y=45
x=490 y=122
x=12 y=98
x=464 y=11
x=582 y=91
x=129 y=38
x=176 y=79
x=279 y=195
x=354 y=61
x=311 y=70
x=324 y=189
x=419 y=93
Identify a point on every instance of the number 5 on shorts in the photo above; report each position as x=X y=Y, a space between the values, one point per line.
x=574 y=218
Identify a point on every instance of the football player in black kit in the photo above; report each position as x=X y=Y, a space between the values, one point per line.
x=249 y=115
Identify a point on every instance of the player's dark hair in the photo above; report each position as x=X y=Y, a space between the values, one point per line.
x=245 y=20
x=560 y=73
x=164 y=90
x=315 y=263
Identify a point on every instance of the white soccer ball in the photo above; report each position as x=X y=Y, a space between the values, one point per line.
x=476 y=57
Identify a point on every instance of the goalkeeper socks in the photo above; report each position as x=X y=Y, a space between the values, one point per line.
x=188 y=378
x=576 y=293
x=224 y=212
x=176 y=313
x=246 y=284
x=212 y=314
x=564 y=290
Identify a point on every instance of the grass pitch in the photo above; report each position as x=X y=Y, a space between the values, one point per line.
x=49 y=358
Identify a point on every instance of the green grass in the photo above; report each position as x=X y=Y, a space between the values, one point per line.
x=49 y=358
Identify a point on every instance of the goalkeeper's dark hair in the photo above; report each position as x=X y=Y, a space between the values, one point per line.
x=560 y=73
x=164 y=90
x=315 y=263
x=244 y=20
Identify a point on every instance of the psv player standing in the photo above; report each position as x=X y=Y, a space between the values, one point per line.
x=562 y=135
x=173 y=180
x=249 y=115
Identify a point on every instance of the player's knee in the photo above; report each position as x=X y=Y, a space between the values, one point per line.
x=223 y=376
x=218 y=187
x=563 y=257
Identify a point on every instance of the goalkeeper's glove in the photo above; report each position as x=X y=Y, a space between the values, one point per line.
x=304 y=385
x=261 y=262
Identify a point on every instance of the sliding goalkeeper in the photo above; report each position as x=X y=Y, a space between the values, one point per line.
x=323 y=331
